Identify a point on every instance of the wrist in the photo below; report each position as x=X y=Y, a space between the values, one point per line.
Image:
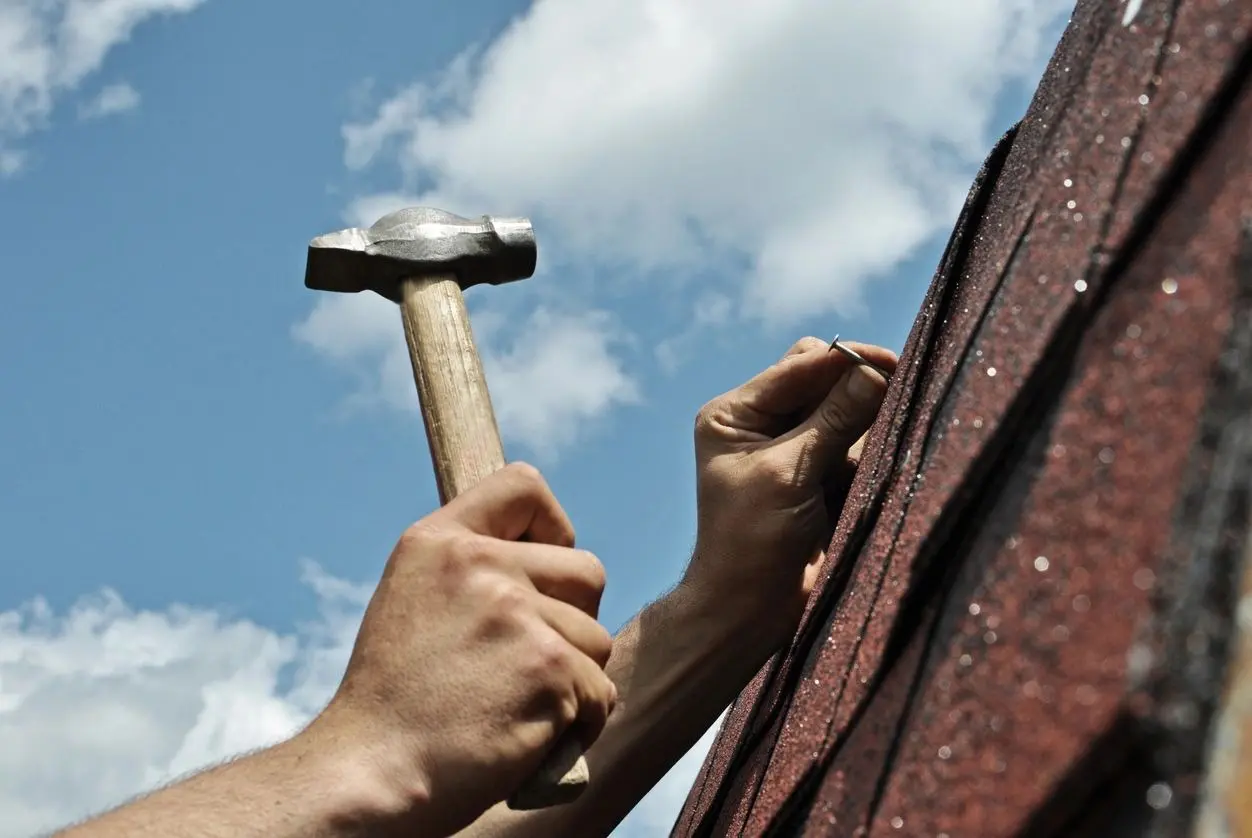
x=725 y=619
x=694 y=662
x=758 y=608
x=369 y=789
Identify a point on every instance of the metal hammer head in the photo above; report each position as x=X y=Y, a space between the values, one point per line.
x=420 y=242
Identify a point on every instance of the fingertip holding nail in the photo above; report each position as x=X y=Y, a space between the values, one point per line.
x=857 y=358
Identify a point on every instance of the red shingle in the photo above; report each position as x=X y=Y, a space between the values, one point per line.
x=1021 y=538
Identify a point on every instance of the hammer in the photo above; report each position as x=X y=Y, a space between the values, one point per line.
x=424 y=259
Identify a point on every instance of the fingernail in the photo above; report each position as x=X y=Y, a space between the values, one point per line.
x=865 y=385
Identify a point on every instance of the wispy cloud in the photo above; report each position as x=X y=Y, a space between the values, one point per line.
x=555 y=376
x=754 y=163
x=113 y=99
x=49 y=47
x=11 y=161
x=805 y=148
x=103 y=702
x=552 y=373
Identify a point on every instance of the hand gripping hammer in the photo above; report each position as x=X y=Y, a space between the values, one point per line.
x=424 y=259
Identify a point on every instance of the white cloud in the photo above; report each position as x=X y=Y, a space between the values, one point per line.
x=756 y=162
x=556 y=375
x=11 y=161
x=551 y=374
x=103 y=702
x=820 y=143
x=112 y=99
x=366 y=209
x=711 y=310
x=48 y=47
x=363 y=142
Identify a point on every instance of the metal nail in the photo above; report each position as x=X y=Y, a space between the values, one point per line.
x=858 y=358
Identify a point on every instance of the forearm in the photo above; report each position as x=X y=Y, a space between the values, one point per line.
x=297 y=789
x=677 y=665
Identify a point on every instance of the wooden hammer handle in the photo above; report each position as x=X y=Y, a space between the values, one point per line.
x=456 y=407
x=465 y=447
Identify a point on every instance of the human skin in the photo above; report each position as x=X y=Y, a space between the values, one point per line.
x=481 y=644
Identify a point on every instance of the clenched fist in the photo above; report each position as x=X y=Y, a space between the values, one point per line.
x=478 y=649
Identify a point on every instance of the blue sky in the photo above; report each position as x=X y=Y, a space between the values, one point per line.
x=205 y=464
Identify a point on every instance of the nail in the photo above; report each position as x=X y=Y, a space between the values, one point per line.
x=860 y=359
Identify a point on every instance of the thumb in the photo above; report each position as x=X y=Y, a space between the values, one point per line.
x=841 y=418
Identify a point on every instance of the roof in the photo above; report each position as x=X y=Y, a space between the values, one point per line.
x=1025 y=616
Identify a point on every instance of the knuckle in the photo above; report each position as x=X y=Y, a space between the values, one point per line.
x=701 y=425
x=567 y=709
x=708 y=418
x=786 y=469
x=502 y=597
x=601 y=645
x=466 y=552
x=554 y=654
x=548 y=673
x=806 y=344
x=607 y=695
x=500 y=609
x=417 y=537
x=601 y=698
x=527 y=475
x=548 y=663
x=428 y=546
x=612 y=692
x=594 y=574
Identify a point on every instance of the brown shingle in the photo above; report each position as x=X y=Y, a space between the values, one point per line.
x=1003 y=626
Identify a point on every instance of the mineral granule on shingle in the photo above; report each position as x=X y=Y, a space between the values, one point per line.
x=1021 y=628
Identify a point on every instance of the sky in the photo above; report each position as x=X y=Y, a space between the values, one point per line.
x=204 y=465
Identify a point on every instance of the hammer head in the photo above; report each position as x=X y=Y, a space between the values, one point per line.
x=421 y=241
